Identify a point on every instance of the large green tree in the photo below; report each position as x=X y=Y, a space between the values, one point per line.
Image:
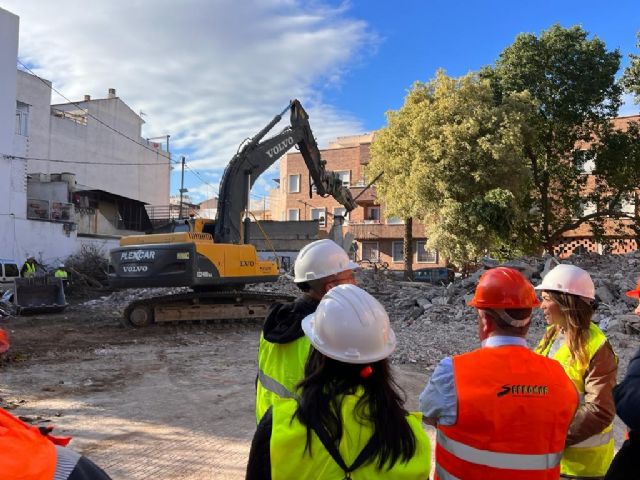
x=452 y=158
x=631 y=77
x=571 y=78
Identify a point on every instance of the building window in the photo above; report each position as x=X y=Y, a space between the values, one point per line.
x=397 y=254
x=294 y=183
x=22 y=119
x=293 y=214
x=370 y=251
x=345 y=176
x=423 y=255
x=319 y=214
x=372 y=215
x=394 y=221
x=585 y=161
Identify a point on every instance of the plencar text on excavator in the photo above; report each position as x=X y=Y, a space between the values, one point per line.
x=212 y=257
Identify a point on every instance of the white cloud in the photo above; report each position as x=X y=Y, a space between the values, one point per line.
x=210 y=73
x=628 y=106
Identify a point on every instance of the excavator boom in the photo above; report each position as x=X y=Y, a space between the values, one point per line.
x=214 y=256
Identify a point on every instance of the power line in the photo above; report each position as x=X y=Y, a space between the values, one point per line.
x=84 y=162
x=175 y=162
x=50 y=86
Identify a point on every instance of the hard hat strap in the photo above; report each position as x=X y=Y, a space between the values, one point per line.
x=514 y=322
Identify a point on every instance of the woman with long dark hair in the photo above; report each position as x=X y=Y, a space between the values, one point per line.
x=568 y=303
x=349 y=421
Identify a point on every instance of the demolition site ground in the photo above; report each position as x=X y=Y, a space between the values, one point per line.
x=177 y=401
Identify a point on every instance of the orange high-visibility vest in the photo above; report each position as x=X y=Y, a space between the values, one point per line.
x=514 y=410
x=24 y=452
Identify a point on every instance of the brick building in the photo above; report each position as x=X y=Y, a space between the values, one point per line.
x=378 y=238
x=621 y=238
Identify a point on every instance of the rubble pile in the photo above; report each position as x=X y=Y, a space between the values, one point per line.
x=433 y=321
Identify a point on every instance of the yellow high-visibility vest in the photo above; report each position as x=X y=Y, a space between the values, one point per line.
x=591 y=457
x=280 y=368
x=61 y=274
x=289 y=459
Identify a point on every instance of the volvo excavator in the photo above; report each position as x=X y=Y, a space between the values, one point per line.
x=213 y=257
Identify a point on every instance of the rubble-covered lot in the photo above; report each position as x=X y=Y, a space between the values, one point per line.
x=176 y=401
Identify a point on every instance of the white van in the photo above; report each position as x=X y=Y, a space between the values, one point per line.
x=8 y=271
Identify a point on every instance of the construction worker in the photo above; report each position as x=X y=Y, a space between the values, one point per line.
x=568 y=303
x=349 y=420
x=62 y=274
x=29 y=268
x=626 y=463
x=32 y=453
x=283 y=351
x=502 y=412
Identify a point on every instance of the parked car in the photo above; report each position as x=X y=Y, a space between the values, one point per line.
x=8 y=271
x=434 y=275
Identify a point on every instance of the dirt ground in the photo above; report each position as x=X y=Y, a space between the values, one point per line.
x=170 y=401
x=163 y=402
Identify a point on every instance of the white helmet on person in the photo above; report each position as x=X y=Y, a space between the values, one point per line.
x=351 y=326
x=569 y=279
x=61 y=265
x=321 y=259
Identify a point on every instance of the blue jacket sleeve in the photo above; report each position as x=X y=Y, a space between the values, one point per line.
x=627 y=395
x=439 y=399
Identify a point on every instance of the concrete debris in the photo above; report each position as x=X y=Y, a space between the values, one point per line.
x=433 y=321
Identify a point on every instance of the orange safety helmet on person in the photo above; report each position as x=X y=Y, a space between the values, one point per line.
x=504 y=288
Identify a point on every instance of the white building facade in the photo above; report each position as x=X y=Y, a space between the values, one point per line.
x=39 y=138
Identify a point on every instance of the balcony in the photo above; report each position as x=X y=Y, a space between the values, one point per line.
x=367 y=198
x=374 y=230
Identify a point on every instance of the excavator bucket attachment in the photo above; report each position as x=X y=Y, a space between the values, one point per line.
x=39 y=295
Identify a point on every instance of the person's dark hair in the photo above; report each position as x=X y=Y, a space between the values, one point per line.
x=304 y=286
x=327 y=380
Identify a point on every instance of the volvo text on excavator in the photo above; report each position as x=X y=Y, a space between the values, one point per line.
x=213 y=257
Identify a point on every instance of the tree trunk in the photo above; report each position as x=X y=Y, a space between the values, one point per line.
x=407 y=249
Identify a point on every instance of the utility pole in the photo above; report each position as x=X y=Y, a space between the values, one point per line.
x=182 y=189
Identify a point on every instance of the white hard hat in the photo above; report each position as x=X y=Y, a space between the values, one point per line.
x=569 y=279
x=351 y=326
x=61 y=265
x=320 y=259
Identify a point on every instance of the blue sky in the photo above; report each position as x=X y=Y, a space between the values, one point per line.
x=213 y=72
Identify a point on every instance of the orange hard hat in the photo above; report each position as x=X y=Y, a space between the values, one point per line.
x=634 y=293
x=4 y=341
x=504 y=288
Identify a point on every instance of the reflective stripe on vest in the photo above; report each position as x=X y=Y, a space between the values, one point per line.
x=591 y=457
x=291 y=459
x=274 y=386
x=280 y=368
x=442 y=474
x=596 y=440
x=511 y=461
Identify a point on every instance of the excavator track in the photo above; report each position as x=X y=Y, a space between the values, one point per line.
x=219 y=307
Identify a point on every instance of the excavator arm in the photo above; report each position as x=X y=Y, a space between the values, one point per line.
x=258 y=155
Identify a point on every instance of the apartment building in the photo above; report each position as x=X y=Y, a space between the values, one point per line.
x=621 y=238
x=378 y=237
